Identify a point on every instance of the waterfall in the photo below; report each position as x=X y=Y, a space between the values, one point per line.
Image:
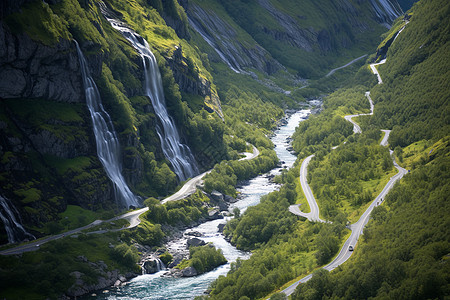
x=179 y=155
x=152 y=264
x=159 y=264
x=14 y=230
x=108 y=148
x=386 y=10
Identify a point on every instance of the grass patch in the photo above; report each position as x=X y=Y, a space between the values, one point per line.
x=301 y=198
x=375 y=186
x=75 y=216
x=77 y=164
x=39 y=22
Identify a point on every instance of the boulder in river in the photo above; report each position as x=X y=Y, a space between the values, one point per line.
x=195 y=242
x=221 y=226
x=176 y=260
x=189 y=272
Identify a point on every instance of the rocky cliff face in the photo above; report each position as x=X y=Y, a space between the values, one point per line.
x=270 y=35
x=47 y=148
x=191 y=82
x=44 y=125
x=224 y=39
x=33 y=70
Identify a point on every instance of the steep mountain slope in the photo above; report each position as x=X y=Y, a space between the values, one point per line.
x=414 y=97
x=404 y=253
x=48 y=148
x=306 y=37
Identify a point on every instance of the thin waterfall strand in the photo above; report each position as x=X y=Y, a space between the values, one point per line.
x=13 y=227
x=179 y=155
x=108 y=148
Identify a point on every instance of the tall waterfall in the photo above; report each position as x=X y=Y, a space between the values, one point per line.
x=108 y=148
x=14 y=229
x=179 y=155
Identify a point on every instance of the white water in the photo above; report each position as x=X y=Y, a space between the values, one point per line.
x=386 y=10
x=155 y=287
x=108 y=148
x=14 y=229
x=159 y=265
x=251 y=193
x=179 y=155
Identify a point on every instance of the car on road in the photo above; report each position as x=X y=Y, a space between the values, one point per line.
x=350 y=248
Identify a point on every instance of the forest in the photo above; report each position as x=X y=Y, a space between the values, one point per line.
x=395 y=258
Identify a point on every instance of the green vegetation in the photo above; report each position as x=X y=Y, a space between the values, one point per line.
x=52 y=265
x=203 y=259
x=350 y=176
x=404 y=250
x=282 y=247
x=185 y=212
x=398 y=258
x=225 y=175
x=39 y=22
x=413 y=100
x=309 y=57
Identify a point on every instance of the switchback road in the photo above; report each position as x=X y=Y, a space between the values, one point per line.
x=356 y=228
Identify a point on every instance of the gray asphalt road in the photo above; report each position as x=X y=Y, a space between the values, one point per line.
x=132 y=217
x=187 y=189
x=356 y=128
x=313 y=215
x=357 y=228
x=191 y=186
x=384 y=141
x=373 y=67
x=344 y=66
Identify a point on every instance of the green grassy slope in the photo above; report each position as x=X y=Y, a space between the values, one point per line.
x=74 y=175
x=414 y=97
x=404 y=251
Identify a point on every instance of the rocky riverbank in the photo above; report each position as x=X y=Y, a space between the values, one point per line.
x=181 y=238
x=176 y=248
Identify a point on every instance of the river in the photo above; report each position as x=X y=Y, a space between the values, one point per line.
x=155 y=287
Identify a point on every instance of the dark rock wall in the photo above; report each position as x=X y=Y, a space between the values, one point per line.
x=32 y=70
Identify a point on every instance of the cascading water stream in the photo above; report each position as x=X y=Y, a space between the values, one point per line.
x=108 y=148
x=179 y=155
x=14 y=229
x=157 y=286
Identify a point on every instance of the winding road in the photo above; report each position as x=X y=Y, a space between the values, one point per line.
x=356 y=228
x=133 y=217
x=313 y=216
x=344 y=66
x=356 y=128
x=191 y=186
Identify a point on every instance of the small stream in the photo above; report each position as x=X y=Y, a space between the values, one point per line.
x=156 y=287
